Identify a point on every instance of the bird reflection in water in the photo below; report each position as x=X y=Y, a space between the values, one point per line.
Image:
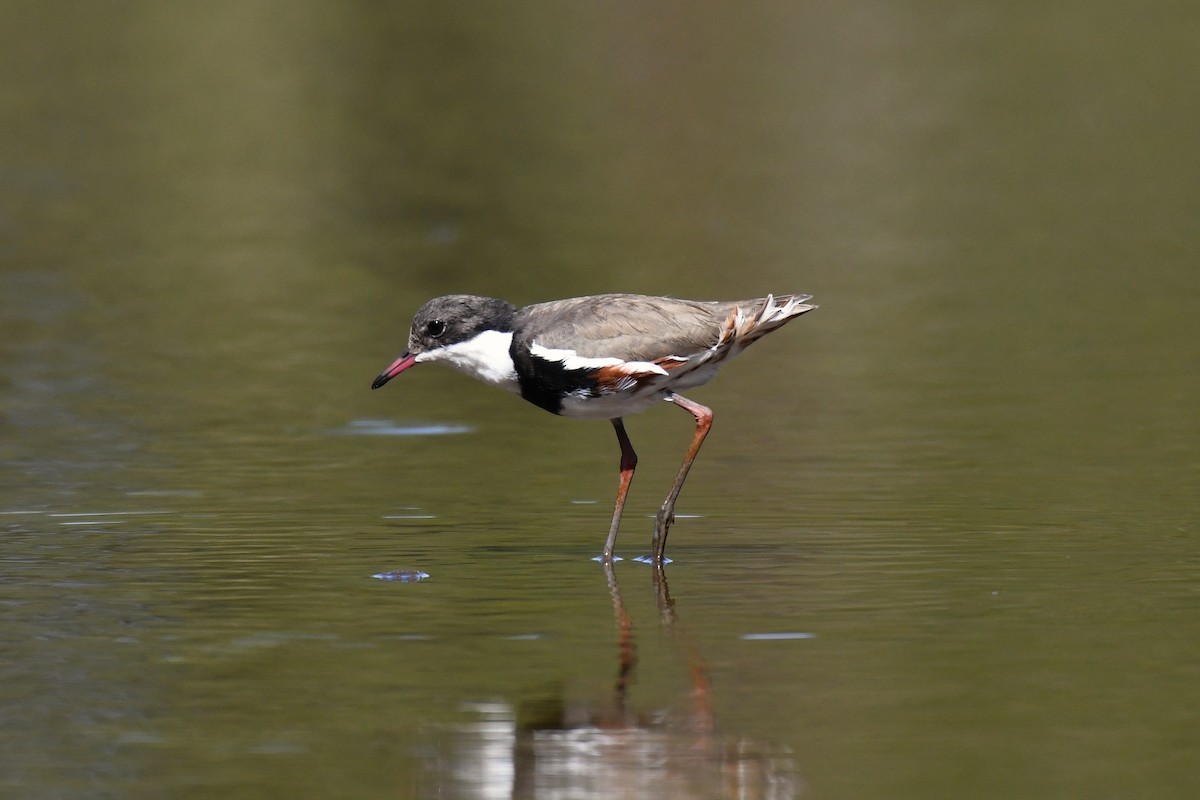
x=607 y=750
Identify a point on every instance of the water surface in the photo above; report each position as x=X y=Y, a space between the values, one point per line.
x=940 y=543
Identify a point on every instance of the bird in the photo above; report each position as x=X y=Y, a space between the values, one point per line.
x=599 y=357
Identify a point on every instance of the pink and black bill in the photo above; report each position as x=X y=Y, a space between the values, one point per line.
x=399 y=365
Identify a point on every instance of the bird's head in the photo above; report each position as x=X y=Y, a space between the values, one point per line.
x=447 y=321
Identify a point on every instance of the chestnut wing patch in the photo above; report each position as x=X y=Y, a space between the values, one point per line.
x=627 y=375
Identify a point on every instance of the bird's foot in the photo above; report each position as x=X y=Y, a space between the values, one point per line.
x=658 y=543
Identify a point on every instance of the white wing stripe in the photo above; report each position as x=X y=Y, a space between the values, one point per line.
x=572 y=360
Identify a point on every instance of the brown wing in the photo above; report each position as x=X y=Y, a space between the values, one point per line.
x=627 y=326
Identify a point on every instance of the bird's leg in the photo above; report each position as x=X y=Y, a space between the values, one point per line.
x=666 y=514
x=628 y=465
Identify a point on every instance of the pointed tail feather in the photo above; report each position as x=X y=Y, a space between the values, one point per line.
x=744 y=329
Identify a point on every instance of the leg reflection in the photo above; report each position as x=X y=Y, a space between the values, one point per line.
x=667 y=748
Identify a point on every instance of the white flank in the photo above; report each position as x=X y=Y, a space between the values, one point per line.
x=572 y=360
x=608 y=406
x=484 y=357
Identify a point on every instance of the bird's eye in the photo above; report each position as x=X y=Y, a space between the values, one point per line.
x=435 y=328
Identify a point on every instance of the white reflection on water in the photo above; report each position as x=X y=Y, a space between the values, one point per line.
x=777 y=636
x=498 y=757
x=386 y=427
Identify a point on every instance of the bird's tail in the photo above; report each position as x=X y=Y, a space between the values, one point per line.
x=743 y=328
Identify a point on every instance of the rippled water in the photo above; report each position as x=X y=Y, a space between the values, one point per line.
x=940 y=543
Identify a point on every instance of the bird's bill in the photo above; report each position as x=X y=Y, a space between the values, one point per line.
x=399 y=365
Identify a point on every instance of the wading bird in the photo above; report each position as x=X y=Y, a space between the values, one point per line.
x=599 y=357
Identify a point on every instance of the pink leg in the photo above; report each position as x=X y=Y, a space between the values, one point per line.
x=628 y=465
x=666 y=514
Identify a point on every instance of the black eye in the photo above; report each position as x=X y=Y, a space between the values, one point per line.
x=435 y=328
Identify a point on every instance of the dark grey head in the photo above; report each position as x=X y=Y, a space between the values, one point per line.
x=456 y=318
x=449 y=320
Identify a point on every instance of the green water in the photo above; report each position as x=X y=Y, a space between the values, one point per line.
x=942 y=540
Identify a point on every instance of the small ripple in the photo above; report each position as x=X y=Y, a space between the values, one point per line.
x=110 y=513
x=777 y=637
x=401 y=576
x=140 y=737
x=386 y=427
x=277 y=748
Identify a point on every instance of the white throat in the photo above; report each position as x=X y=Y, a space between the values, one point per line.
x=484 y=357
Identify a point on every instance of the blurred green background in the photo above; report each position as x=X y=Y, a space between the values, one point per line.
x=965 y=487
